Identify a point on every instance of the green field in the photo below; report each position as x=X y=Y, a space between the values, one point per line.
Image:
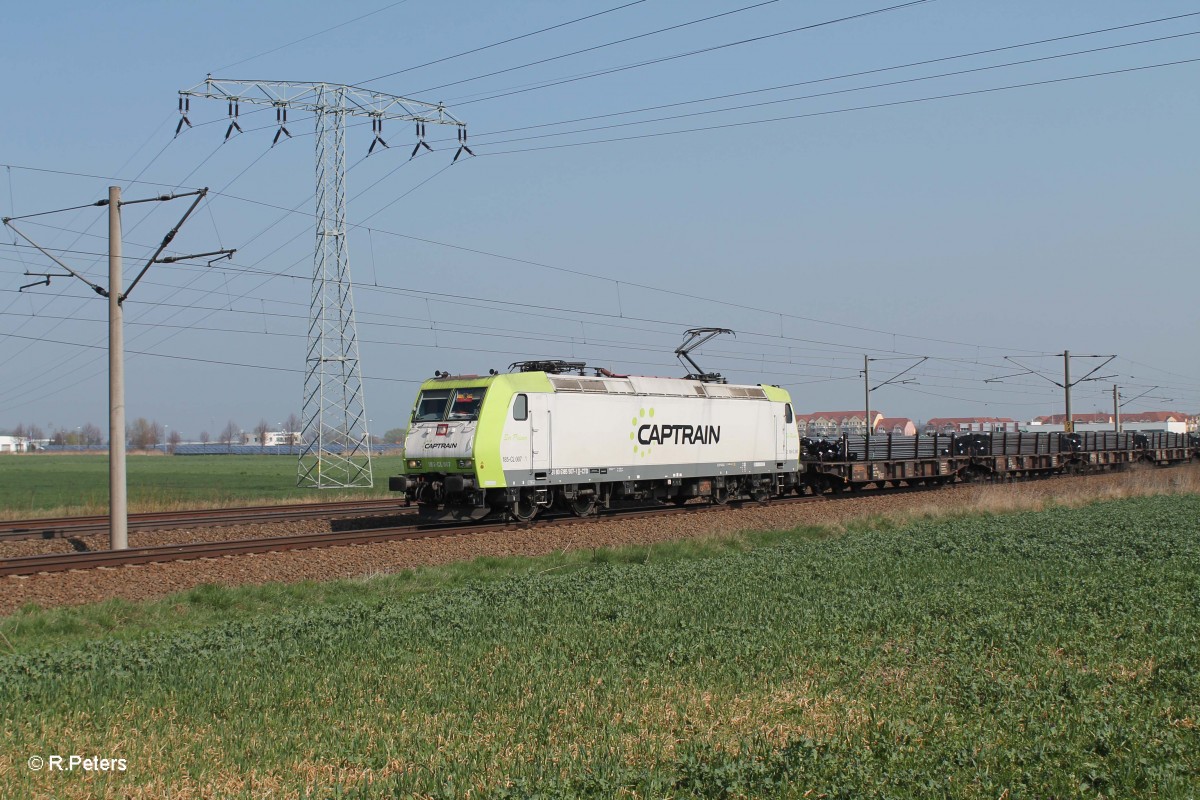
x=42 y=484
x=1032 y=655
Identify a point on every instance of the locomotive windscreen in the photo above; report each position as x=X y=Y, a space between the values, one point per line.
x=431 y=406
x=454 y=405
x=466 y=403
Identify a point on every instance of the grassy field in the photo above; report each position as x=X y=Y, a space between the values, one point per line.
x=35 y=485
x=1029 y=655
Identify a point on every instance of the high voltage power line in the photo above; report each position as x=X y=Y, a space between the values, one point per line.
x=834 y=92
x=600 y=277
x=553 y=82
x=857 y=74
x=870 y=107
x=509 y=40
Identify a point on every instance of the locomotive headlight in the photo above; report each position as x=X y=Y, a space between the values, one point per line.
x=414 y=463
x=464 y=463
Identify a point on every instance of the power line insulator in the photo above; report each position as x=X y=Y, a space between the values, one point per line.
x=185 y=105
x=462 y=145
x=420 y=141
x=233 y=115
x=377 y=131
x=281 y=121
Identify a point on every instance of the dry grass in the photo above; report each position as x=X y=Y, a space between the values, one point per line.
x=158 y=505
x=1058 y=493
x=1137 y=482
x=894 y=656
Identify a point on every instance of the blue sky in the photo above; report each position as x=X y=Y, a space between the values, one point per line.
x=1017 y=222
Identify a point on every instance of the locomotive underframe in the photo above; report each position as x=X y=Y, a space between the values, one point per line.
x=455 y=498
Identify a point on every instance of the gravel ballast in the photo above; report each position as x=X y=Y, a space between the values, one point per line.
x=150 y=581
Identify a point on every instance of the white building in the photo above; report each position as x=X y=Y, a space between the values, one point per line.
x=1169 y=421
x=14 y=444
x=948 y=425
x=275 y=438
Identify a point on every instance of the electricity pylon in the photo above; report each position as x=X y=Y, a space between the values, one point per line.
x=336 y=444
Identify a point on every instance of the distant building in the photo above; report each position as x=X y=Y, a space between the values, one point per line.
x=274 y=438
x=14 y=444
x=1169 y=421
x=835 y=423
x=947 y=425
x=897 y=426
x=1098 y=418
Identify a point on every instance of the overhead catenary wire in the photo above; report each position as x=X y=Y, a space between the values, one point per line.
x=84 y=270
x=280 y=219
x=751 y=358
x=129 y=183
x=461 y=301
x=229 y=183
x=648 y=287
x=717 y=356
x=504 y=352
x=369 y=229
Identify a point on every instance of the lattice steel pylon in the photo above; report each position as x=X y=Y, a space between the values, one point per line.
x=336 y=448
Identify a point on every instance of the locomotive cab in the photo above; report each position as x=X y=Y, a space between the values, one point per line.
x=439 y=448
x=453 y=465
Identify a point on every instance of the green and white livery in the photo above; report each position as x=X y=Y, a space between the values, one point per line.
x=520 y=442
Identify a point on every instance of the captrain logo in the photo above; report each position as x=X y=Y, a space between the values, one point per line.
x=638 y=449
x=647 y=433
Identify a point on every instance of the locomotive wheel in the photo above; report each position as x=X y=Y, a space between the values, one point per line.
x=583 y=505
x=719 y=496
x=524 y=509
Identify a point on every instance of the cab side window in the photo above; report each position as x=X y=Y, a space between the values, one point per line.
x=787 y=414
x=521 y=407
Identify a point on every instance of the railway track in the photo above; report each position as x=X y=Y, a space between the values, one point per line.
x=61 y=562
x=67 y=527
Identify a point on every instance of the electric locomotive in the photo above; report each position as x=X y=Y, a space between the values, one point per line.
x=547 y=435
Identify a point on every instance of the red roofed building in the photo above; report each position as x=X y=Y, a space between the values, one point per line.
x=834 y=423
x=1170 y=421
x=970 y=425
x=897 y=426
x=1156 y=416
